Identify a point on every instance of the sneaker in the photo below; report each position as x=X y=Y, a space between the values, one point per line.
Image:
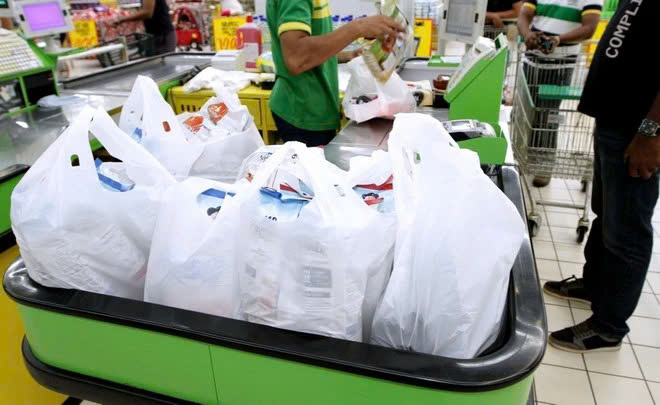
x=581 y=338
x=571 y=288
x=541 y=181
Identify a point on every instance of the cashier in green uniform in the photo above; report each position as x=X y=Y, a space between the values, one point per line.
x=305 y=99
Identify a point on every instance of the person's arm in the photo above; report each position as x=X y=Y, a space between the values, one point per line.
x=584 y=32
x=643 y=153
x=512 y=13
x=143 y=13
x=590 y=18
x=347 y=56
x=302 y=51
x=527 y=13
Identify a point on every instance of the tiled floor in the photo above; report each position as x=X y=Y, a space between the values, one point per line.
x=629 y=376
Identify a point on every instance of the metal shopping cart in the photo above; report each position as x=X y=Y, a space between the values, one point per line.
x=551 y=139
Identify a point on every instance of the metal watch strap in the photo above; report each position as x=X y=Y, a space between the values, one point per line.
x=649 y=128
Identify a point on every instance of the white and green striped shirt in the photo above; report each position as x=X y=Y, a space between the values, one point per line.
x=560 y=16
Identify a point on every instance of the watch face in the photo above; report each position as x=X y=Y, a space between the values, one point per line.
x=649 y=128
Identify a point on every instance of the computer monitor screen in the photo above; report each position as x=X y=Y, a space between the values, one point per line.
x=44 y=16
x=4 y=4
x=460 y=17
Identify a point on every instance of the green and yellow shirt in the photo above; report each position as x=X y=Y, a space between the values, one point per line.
x=309 y=100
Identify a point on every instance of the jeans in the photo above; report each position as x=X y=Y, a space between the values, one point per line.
x=310 y=138
x=620 y=244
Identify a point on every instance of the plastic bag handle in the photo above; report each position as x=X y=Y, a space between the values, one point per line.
x=76 y=145
x=120 y=145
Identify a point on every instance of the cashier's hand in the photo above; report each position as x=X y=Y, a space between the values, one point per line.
x=643 y=156
x=495 y=20
x=532 y=40
x=377 y=26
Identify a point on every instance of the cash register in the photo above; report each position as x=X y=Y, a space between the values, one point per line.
x=26 y=70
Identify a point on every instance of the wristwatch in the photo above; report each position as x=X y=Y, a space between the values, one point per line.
x=649 y=128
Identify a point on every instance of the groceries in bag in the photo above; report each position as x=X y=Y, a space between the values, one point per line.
x=456 y=243
x=86 y=225
x=371 y=179
x=151 y=122
x=192 y=261
x=228 y=134
x=211 y=143
x=306 y=246
x=366 y=98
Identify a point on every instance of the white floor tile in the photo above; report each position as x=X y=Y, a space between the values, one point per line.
x=655 y=262
x=569 y=269
x=558 y=219
x=564 y=235
x=648 y=306
x=574 y=185
x=562 y=358
x=649 y=359
x=580 y=315
x=564 y=386
x=558 y=317
x=548 y=269
x=556 y=195
x=655 y=391
x=543 y=234
x=644 y=331
x=654 y=280
x=646 y=289
x=544 y=250
x=612 y=390
x=570 y=253
x=622 y=363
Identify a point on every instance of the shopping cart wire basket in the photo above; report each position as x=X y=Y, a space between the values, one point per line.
x=550 y=138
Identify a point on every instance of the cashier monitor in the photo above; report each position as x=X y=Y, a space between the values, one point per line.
x=41 y=18
x=462 y=20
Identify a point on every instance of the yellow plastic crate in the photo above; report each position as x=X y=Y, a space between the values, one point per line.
x=191 y=102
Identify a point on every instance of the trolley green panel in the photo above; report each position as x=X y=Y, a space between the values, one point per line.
x=140 y=358
x=115 y=350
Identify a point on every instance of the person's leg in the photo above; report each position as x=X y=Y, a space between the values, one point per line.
x=628 y=205
x=289 y=132
x=593 y=250
x=164 y=43
x=616 y=280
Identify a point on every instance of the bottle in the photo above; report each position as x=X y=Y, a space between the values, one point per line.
x=382 y=56
x=248 y=40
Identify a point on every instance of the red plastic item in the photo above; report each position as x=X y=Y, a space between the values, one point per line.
x=248 y=39
x=194 y=122
x=217 y=111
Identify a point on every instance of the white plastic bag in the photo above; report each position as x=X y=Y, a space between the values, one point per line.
x=192 y=265
x=305 y=267
x=217 y=156
x=148 y=118
x=73 y=232
x=370 y=177
x=210 y=78
x=457 y=240
x=388 y=98
x=228 y=142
